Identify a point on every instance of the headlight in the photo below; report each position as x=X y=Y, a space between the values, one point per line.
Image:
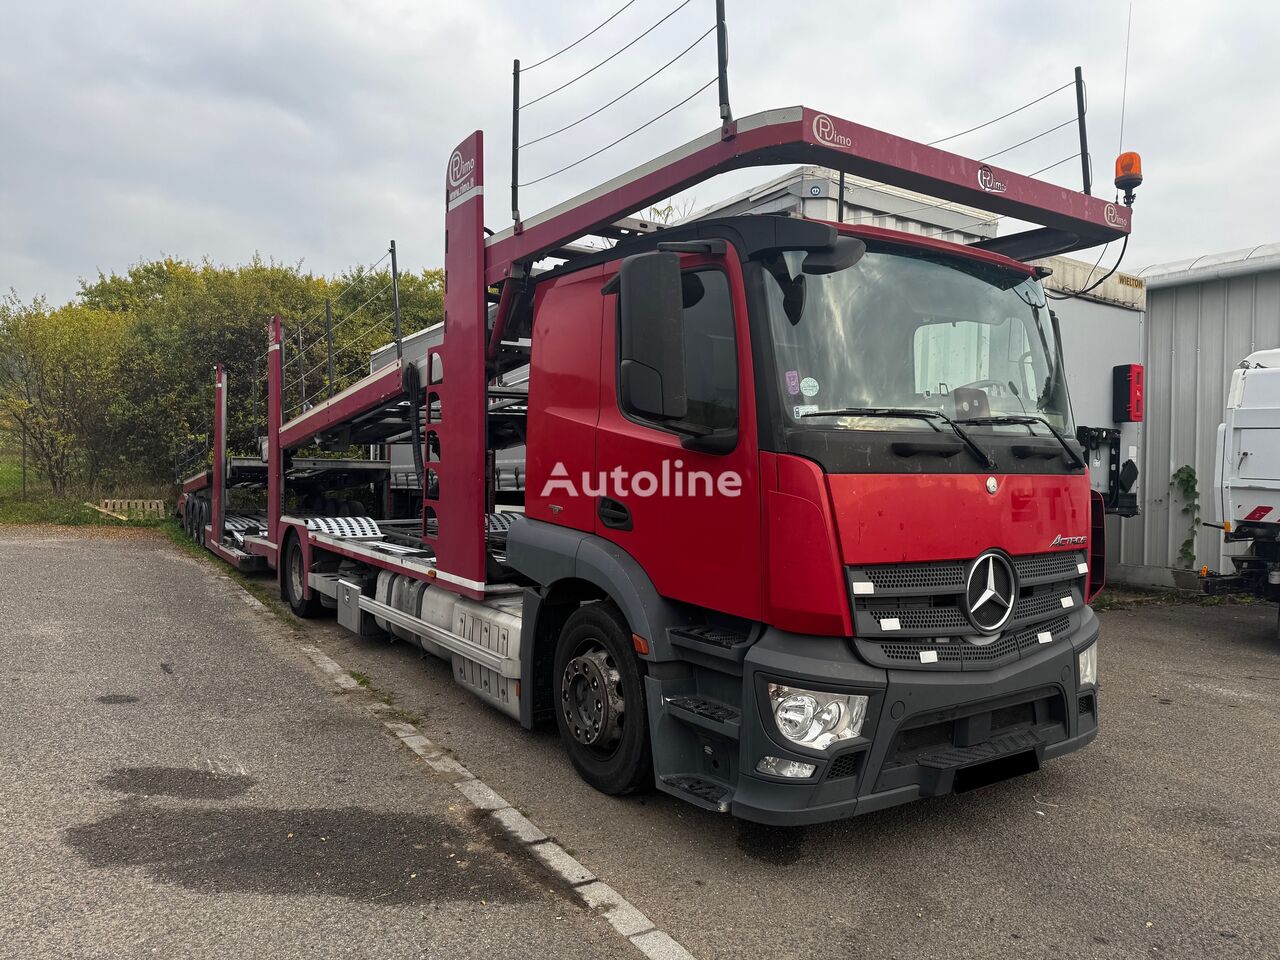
x=815 y=719
x=791 y=769
x=1087 y=663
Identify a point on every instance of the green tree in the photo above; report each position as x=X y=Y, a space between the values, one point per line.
x=60 y=383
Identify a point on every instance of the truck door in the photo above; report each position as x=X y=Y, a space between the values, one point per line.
x=691 y=519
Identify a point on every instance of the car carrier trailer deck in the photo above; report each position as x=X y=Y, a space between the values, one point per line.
x=874 y=586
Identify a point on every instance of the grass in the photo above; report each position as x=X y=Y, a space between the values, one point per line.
x=11 y=474
x=41 y=507
x=50 y=510
x=1126 y=597
x=60 y=511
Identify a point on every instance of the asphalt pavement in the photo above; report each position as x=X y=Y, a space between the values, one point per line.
x=177 y=780
x=130 y=831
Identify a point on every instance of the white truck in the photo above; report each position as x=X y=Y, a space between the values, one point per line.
x=1246 y=489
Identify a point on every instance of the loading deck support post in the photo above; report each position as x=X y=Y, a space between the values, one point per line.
x=515 y=143
x=275 y=478
x=219 y=492
x=722 y=68
x=328 y=339
x=1086 y=171
x=395 y=299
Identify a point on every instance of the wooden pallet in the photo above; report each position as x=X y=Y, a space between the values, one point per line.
x=130 y=509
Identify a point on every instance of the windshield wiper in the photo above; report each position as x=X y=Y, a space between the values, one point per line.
x=908 y=413
x=1027 y=419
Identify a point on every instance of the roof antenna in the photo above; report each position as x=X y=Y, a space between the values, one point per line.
x=1124 y=86
x=1128 y=165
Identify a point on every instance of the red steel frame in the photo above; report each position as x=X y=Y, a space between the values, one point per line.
x=803 y=135
x=1070 y=220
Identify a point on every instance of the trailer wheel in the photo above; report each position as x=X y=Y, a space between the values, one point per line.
x=599 y=701
x=201 y=518
x=294 y=572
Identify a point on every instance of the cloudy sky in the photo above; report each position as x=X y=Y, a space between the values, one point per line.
x=315 y=131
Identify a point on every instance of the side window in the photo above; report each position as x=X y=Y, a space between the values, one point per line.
x=710 y=352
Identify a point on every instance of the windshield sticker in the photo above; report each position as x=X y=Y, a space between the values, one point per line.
x=802 y=408
x=809 y=387
x=793 y=382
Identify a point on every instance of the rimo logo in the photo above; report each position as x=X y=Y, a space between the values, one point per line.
x=988 y=181
x=824 y=129
x=1061 y=541
x=1112 y=215
x=459 y=169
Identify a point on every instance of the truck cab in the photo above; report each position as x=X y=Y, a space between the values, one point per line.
x=828 y=470
x=1246 y=482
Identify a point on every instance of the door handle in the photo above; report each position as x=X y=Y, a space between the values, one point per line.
x=613 y=514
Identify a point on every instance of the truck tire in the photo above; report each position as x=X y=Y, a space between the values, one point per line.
x=599 y=701
x=292 y=575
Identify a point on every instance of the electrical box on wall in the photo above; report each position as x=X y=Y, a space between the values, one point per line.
x=1127 y=393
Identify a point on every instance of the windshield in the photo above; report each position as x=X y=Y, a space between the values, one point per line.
x=915 y=330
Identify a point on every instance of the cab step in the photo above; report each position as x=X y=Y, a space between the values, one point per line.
x=988 y=750
x=711 y=715
x=712 y=646
x=725 y=637
x=699 y=791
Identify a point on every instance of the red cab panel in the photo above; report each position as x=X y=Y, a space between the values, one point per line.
x=806 y=590
x=899 y=518
x=702 y=547
x=564 y=398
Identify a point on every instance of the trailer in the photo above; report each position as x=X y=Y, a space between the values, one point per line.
x=785 y=546
x=1246 y=482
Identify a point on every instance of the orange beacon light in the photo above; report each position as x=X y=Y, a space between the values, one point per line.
x=1128 y=174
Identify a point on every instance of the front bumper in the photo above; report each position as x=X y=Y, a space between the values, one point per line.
x=927 y=733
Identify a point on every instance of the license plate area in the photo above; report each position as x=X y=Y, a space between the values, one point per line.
x=984 y=774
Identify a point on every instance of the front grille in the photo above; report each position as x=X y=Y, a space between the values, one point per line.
x=956 y=653
x=904 y=610
x=943 y=620
x=916 y=576
x=1048 y=566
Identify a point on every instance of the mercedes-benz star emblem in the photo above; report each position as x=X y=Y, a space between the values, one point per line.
x=990 y=592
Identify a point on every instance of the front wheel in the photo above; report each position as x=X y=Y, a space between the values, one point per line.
x=599 y=700
x=295 y=574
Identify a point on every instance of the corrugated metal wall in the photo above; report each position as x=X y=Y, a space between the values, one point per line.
x=1196 y=333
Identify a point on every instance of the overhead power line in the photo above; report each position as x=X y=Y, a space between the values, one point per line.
x=1003 y=116
x=622 y=49
x=360 y=276
x=547 y=136
x=607 y=146
x=1023 y=143
x=589 y=33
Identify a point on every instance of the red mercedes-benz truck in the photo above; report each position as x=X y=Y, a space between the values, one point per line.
x=803 y=531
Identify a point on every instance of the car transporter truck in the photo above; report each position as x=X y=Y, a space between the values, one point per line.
x=803 y=530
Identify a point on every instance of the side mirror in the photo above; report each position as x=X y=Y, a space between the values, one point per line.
x=651 y=373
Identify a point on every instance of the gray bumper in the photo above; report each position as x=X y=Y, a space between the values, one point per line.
x=927 y=733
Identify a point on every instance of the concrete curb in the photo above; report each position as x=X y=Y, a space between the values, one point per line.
x=621 y=914
x=628 y=920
